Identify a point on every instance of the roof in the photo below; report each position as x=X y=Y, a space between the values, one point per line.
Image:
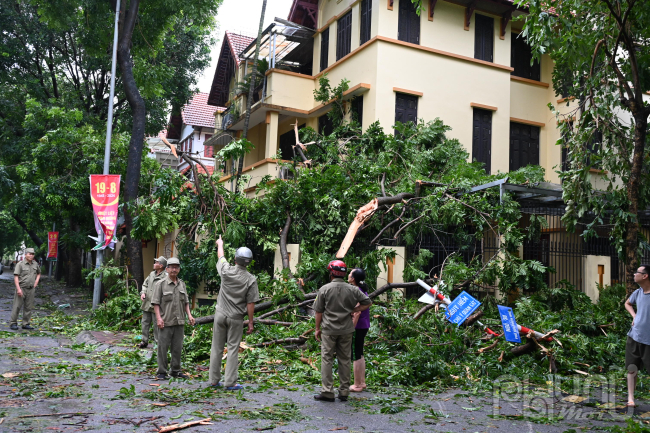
x=232 y=46
x=199 y=169
x=304 y=12
x=198 y=112
x=237 y=44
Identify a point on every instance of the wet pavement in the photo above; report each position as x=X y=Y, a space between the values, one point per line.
x=98 y=381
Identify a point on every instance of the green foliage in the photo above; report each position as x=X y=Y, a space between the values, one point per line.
x=325 y=94
x=118 y=312
x=601 y=62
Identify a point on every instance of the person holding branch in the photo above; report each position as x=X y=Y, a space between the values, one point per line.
x=237 y=297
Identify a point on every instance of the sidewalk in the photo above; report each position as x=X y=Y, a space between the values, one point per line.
x=110 y=387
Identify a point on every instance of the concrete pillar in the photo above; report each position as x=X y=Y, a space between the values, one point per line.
x=596 y=273
x=294 y=257
x=331 y=54
x=356 y=26
x=392 y=271
x=272 y=120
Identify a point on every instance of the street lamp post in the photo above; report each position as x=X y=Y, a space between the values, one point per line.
x=107 y=151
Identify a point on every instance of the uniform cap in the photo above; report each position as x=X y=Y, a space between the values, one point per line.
x=162 y=260
x=243 y=256
x=173 y=261
x=29 y=250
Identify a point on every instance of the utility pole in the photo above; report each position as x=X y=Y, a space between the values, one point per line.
x=107 y=152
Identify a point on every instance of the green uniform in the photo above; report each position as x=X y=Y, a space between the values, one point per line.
x=26 y=273
x=238 y=288
x=171 y=298
x=336 y=301
x=148 y=315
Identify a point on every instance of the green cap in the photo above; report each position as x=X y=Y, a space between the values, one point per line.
x=173 y=261
x=29 y=250
x=162 y=260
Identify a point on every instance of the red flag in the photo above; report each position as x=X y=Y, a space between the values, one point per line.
x=105 y=195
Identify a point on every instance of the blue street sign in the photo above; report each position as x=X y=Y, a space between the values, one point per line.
x=461 y=308
x=510 y=330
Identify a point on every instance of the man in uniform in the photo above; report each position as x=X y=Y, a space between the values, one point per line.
x=148 y=316
x=334 y=306
x=27 y=274
x=170 y=303
x=237 y=296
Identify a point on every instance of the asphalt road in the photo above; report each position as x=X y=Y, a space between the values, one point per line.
x=45 y=373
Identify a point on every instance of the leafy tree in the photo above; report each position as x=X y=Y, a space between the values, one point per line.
x=418 y=176
x=58 y=54
x=601 y=54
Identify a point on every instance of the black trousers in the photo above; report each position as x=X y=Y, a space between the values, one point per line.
x=357 y=343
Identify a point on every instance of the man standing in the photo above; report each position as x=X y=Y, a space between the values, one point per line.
x=26 y=277
x=637 y=347
x=148 y=316
x=334 y=306
x=170 y=303
x=237 y=296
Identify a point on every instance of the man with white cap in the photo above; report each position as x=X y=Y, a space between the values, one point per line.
x=237 y=296
x=148 y=315
x=27 y=274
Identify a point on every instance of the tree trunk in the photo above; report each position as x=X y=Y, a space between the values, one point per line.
x=632 y=227
x=74 y=261
x=134 y=163
x=249 y=100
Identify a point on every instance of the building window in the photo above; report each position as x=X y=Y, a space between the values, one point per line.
x=325 y=125
x=366 y=17
x=344 y=36
x=520 y=59
x=594 y=146
x=207 y=137
x=408 y=26
x=406 y=108
x=482 y=138
x=565 y=148
x=287 y=143
x=524 y=145
x=208 y=151
x=357 y=109
x=484 y=38
x=324 y=48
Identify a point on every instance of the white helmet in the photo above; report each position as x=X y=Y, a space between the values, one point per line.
x=243 y=256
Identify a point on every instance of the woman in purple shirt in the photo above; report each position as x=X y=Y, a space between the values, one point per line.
x=362 y=324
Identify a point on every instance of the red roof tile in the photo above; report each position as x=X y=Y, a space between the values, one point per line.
x=198 y=112
x=199 y=169
x=238 y=43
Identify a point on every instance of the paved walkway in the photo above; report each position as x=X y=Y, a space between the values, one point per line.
x=109 y=387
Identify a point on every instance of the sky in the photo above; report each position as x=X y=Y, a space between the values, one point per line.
x=241 y=16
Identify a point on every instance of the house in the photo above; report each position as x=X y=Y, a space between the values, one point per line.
x=462 y=61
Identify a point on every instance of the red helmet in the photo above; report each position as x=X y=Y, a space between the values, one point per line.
x=337 y=268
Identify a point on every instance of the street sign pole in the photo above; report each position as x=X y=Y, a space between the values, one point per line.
x=107 y=152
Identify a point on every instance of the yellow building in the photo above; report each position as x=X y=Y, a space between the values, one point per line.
x=462 y=61
x=465 y=64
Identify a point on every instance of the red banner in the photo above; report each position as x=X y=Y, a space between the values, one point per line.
x=52 y=245
x=105 y=194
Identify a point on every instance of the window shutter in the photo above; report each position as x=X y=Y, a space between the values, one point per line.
x=344 y=36
x=406 y=108
x=521 y=55
x=208 y=151
x=483 y=38
x=408 y=25
x=324 y=48
x=482 y=138
x=366 y=17
x=524 y=145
